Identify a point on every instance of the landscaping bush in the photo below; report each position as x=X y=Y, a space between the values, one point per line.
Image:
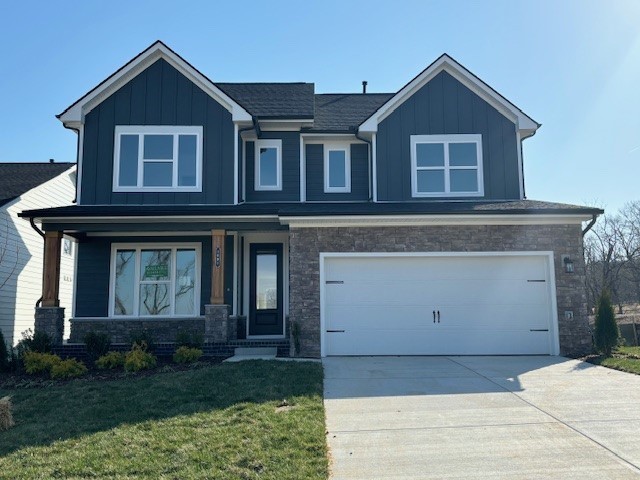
x=189 y=339
x=70 y=368
x=143 y=339
x=4 y=354
x=35 y=342
x=606 y=331
x=97 y=344
x=187 y=355
x=36 y=362
x=110 y=360
x=138 y=359
x=6 y=418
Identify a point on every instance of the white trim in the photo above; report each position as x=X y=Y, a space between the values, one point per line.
x=169 y=218
x=197 y=247
x=244 y=169
x=267 y=143
x=520 y=164
x=74 y=115
x=75 y=282
x=339 y=147
x=235 y=163
x=181 y=233
x=526 y=124
x=79 y=162
x=374 y=166
x=553 y=330
x=446 y=140
x=426 y=220
x=236 y=256
x=303 y=170
x=141 y=131
x=270 y=237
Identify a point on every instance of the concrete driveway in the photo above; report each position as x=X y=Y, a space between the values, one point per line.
x=480 y=417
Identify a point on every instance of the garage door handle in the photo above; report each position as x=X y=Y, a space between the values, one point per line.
x=434 y=316
x=539 y=330
x=335 y=331
x=438 y=316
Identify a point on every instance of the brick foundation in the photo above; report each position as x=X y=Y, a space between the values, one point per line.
x=307 y=243
x=218 y=326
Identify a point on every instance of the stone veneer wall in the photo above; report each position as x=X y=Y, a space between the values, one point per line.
x=120 y=331
x=306 y=244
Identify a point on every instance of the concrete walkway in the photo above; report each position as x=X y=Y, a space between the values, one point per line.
x=480 y=417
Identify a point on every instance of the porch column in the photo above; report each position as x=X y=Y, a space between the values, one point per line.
x=217 y=267
x=49 y=318
x=51 y=270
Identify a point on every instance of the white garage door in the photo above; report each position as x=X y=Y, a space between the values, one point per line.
x=437 y=305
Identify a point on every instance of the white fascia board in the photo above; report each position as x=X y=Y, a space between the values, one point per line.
x=160 y=219
x=74 y=115
x=426 y=220
x=464 y=76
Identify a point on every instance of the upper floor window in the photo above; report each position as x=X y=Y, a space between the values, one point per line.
x=446 y=165
x=337 y=168
x=158 y=158
x=268 y=165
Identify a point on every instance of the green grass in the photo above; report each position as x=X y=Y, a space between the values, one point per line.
x=219 y=422
x=626 y=359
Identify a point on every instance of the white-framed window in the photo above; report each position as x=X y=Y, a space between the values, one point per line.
x=151 y=279
x=67 y=247
x=157 y=158
x=337 y=168
x=268 y=165
x=446 y=165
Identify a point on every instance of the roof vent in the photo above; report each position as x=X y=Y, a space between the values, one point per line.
x=364 y=86
x=51 y=160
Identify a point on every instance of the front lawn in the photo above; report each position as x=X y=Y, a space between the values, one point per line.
x=626 y=359
x=262 y=420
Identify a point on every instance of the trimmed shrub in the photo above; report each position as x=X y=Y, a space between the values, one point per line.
x=35 y=342
x=70 y=368
x=4 y=354
x=187 y=355
x=97 y=344
x=6 y=417
x=138 y=359
x=36 y=362
x=606 y=332
x=189 y=339
x=110 y=360
x=142 y=338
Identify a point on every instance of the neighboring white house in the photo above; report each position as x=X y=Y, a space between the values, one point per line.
x=26 y=186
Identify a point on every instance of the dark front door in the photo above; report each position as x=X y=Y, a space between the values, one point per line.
x=265 y=291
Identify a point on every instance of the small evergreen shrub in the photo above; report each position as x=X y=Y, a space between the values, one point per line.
x=36 y=362
x=139 y=359
x=185 y=338
x=187 y=355
x=97 y=344
x=70 y=368
x=4 y=354
x=606 y=330
x=110 y=360
x=35 y=342
x=142 y=338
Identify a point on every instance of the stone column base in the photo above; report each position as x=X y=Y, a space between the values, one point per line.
x=218 y=327
x=50 y=320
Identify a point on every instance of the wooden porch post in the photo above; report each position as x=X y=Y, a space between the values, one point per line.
x=51 y=272
x=217 y=267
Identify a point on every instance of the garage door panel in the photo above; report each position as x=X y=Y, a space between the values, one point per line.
x=488 y=305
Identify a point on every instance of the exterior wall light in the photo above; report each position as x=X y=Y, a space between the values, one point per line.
x=568 y=264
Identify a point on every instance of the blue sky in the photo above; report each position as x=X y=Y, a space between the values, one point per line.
x=572 y=65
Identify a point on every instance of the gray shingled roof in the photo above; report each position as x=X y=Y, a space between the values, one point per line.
x=273 y=100
x=345 y=111
x=19 y=178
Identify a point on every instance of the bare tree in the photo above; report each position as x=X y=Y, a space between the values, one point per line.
x=630 y=245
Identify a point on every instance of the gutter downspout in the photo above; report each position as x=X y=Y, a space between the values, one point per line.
x=75 y=199
x=41 y=233
x=255 y=127
x=590 y=225
x=370 y=151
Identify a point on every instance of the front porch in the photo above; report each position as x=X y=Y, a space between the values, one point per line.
x=223 y=281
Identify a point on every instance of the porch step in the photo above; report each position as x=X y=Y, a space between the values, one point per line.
x=253 y=353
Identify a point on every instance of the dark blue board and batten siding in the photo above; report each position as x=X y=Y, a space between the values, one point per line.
x=94 y=264
x=314 y=154
x=290 y=170
x=160 y=95
x=445 y=106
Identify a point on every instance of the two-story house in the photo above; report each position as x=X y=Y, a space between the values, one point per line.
x=341 y=224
